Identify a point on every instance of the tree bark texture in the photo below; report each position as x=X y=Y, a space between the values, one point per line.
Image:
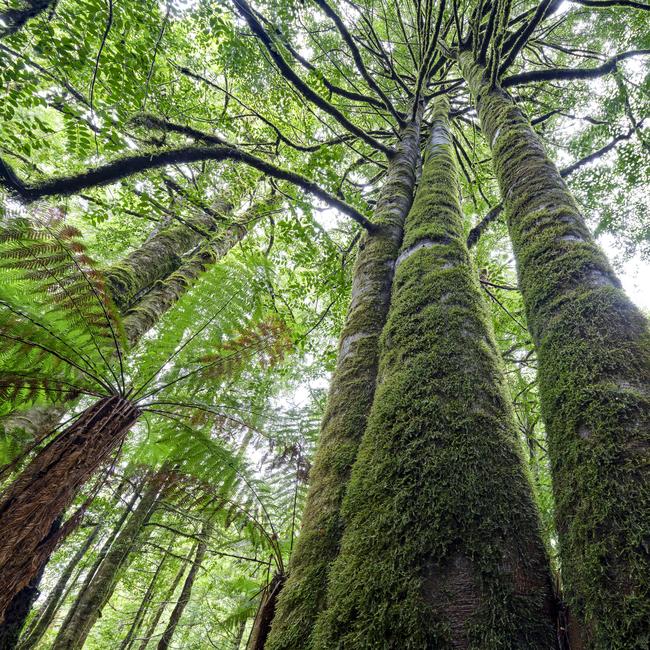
x=48 y=485
x=92 y=600
x=594 y=381
x=350 y=397
x=166 y=293
x=156 y=258
x=265 y=614
x=442 y=545
x=53 y=602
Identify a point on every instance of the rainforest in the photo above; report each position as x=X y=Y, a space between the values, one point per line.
x=324 y=325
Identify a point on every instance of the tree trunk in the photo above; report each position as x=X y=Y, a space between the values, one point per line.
x=442 y=546
x=91 y=601
x=12 y=20
x=163 y=604
x=265 y=614
x=127 y=642
x=186 y=592
x=51 y=605
x=156 y=259
x=594 y=377
x=166 y=293
x=18 y=609
x=48 y=485
x=350 y=397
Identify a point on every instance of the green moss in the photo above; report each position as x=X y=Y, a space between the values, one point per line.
x=594 y=378
x=350 y=398
x=442 y=545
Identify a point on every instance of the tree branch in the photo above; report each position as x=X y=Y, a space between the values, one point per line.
x=302 y=87
x=570 y=74
x=128 y=166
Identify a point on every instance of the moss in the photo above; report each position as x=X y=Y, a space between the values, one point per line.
x=155 y=259
x=442 y=545
x=349 y=402
x=594 y=379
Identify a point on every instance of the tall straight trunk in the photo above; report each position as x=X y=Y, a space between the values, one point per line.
x=91 y=601
x=127 y=642
x=350 y=397
x=166 y=293
x=594 y=380
x=151 y=628
x=442 y=546
x=48 y=485
x=157 y=258
x=51 y=605
x=265 y=614
x=186 y=592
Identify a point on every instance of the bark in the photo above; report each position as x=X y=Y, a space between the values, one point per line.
x=92 y=600
x=162 y=605
x=265 y=614
x=186 y=592
x=442 y=545
x=164 y=295
x=18 y=609
x=350 y=398
x=48 y=485
x=53 y=602
x=594 y=377
x=157 y=258
x=127 y=642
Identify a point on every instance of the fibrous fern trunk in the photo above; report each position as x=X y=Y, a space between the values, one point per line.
x=442 y=545
x=90 y=602
x=350 y=397
x=48 y=485
x=594 y=380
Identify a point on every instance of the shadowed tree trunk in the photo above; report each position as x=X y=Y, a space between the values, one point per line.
x=265 y=614
x=90 y=602
x=594 y=377
x=350 y=396
x=442 y=546
x=12 y=20
x=186 y=592
x=53 y=601
x=48 y=485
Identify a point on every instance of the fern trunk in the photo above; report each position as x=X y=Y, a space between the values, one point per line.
x=442 y=546
x=265 y=614
x=594 y=376
x=350 y=397
x=90 y=602
x=35 y=634
x=49 y=484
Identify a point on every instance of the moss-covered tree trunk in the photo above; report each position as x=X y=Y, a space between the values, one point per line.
x=158 y=257
x=442 y=545
x=90 y=602
x=594 y=381
x=186 y=591
x=166 y=293
x=48 y=485
x=350 y=397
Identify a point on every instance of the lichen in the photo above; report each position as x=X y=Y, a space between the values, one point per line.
x=594 y=381
x=442 y=545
